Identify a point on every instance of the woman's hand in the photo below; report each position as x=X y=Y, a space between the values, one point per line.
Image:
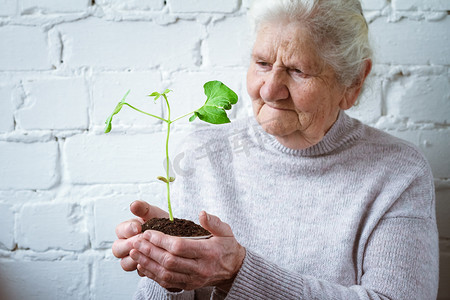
x=127 y=232
x=177 y=263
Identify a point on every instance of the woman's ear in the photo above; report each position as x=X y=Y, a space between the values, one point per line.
x=351 y=93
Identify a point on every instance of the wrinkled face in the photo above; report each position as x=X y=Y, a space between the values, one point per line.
x=295 y=95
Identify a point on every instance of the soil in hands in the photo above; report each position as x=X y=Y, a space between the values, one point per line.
x=179 y=227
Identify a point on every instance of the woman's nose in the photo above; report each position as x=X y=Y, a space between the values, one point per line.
x=274 y=87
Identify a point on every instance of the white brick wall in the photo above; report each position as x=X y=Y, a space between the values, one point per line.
x=7 y=225
x=56 y=103
x=28 y=165
x=53 y=6
x=26 y=49
x=63 y=229
x=8 y=7
x=137 y=45
x=108 y=89
x=422 y=99
x=208 y=6
x=132 y=4
x=413 y=42
x=64 y=65
x=51 y=278
x=436 y=5
x=6 y=108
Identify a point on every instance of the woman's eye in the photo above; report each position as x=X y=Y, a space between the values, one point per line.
x=263 y=64
x=296 y=73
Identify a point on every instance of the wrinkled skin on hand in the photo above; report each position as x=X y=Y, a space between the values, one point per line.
x=127 y=232
x=176 y=263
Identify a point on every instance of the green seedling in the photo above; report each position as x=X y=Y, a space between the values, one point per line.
x=219 y=99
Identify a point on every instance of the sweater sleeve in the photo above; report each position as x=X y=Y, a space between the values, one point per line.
x=397 y=266
x=399 y=259
x=149 y=289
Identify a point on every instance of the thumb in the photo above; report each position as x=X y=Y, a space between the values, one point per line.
x=146 y=211
x=214 y=225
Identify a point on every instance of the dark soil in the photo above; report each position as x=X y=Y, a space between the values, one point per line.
x=179 y=227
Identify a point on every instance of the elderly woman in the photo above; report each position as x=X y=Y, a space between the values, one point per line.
x=316 y=204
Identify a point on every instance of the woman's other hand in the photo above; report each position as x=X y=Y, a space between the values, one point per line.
x=177 y=263
x=127 y=232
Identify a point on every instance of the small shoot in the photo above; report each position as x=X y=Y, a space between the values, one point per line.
x=220 y=98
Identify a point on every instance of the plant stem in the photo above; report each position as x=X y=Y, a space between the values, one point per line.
x=183 y=116
x=167 y=172
x=169 y=122
x=137 y=109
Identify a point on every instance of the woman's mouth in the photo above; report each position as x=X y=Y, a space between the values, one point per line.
x=277 y=107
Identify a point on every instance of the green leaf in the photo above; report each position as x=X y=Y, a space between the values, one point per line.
x=108 y=126
x=166 y=91
x=212 y=114
x=193 y=117
x=219 y=99
x=163 y=179
x=156 y=95
x=117 y=109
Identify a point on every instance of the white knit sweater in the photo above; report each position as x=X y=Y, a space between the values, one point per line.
x=352 y=217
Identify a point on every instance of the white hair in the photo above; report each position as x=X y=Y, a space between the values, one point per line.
x=337 y=27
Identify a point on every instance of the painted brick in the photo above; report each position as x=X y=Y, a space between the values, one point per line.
x=421 y=4
x=111 y=210
x=373 y=4
x=17 y=198
x=411 y=42
x=443 y=211
x=130 y=44
x=8 y=7
x=228 y=43
x=50 y=280
x=368 y=110
x=17 y=53
x=436 y=146
x=155 y=193
x=6 y=108
x=63 y=227
x=28 y=166
x=132 y=4
x=7 y=226
x=109 y=88
x=246 y=4
x=54 y=5
x=57 y=103
x=421 y=99
x=190 y=6
x=412 y=136
x=108 y=213
x=114 y=158
x=111 y=282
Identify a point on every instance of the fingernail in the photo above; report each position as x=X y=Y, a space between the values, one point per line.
x=132 y=202
x=148 y=235
x=207 y=216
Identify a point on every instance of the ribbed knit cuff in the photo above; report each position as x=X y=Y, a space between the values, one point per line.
x=148 y=289
x=260 y=279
